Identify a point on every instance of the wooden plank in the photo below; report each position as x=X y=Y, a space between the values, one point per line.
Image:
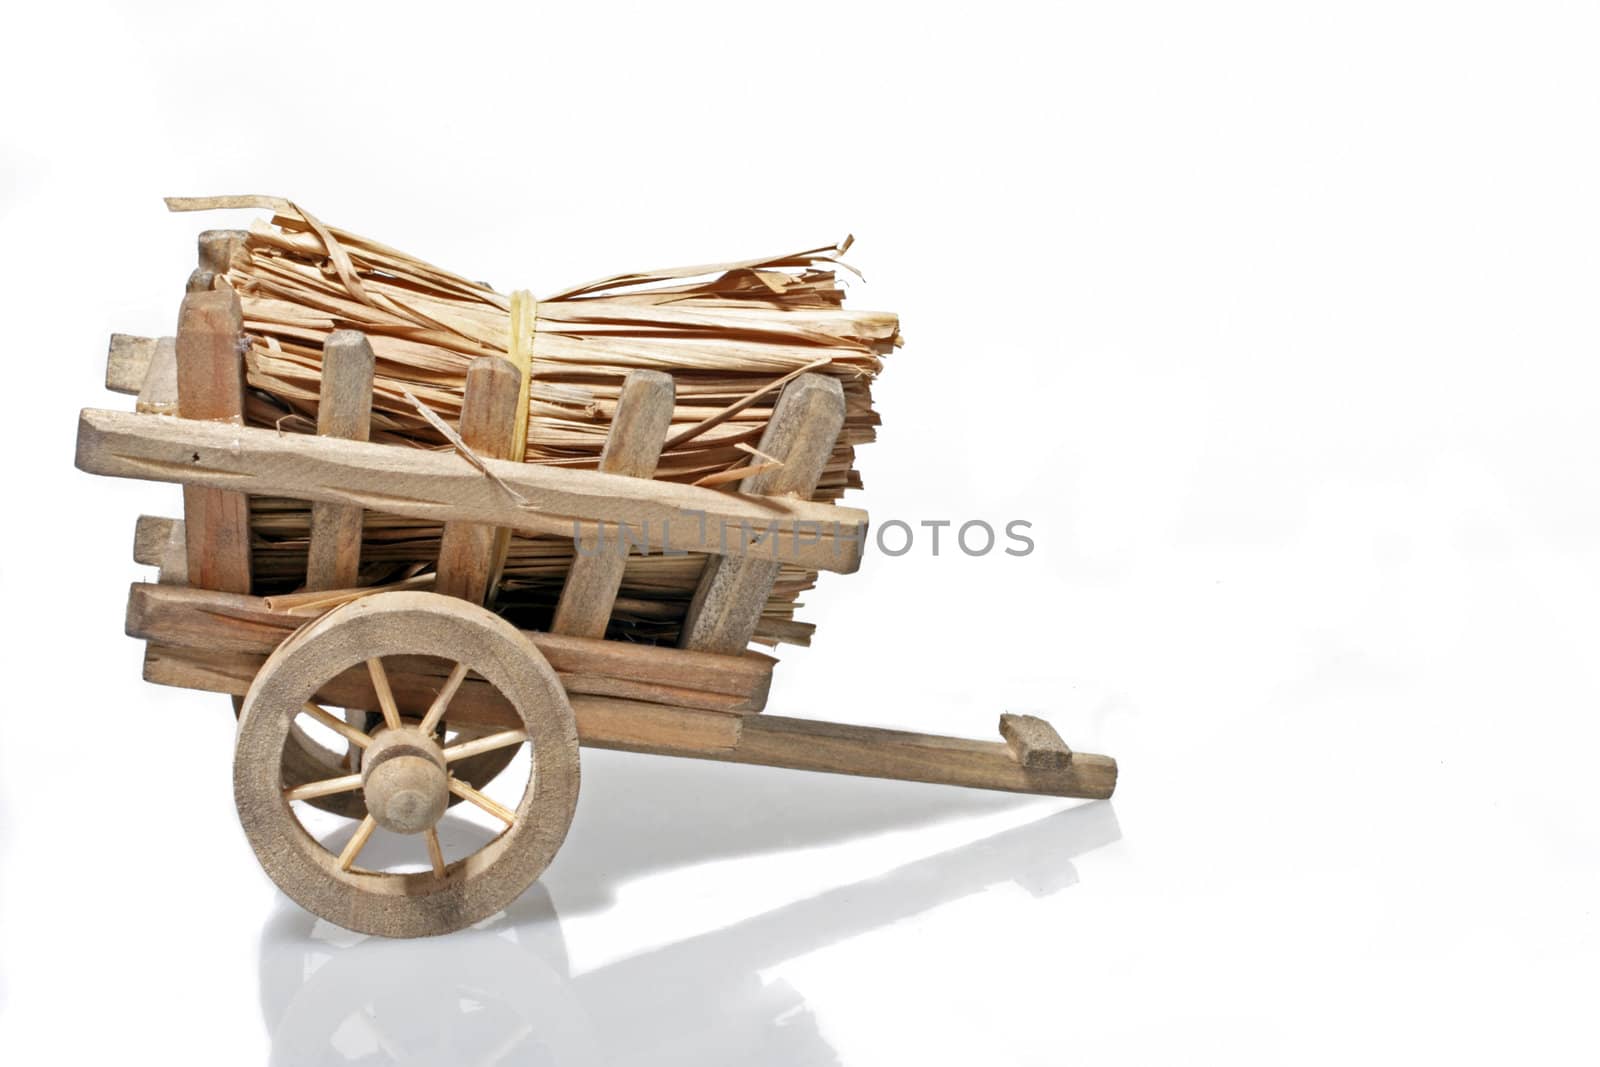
x=732 y=591
x=633 y=447
x=211 y=388
x=159 y=393
x=837 y=748
x=414 y=681
x=153 y=535
x=1033 y=742
x=603 y=721
x=192 y=668
x=467 y=550
x=182 y=618
x=344 y=410
x=441 y=487
x=127 y=360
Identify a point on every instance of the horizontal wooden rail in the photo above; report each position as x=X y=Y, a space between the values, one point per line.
x=442 y=486
x=227 y=636
x=603 y=721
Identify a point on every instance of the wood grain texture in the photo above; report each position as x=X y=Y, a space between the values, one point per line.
x=159 y=393
x=603 y=721
x=636 y=726
x=127 y=361
x=405 y=780
x=344 y=410
x=1034 y=743
x=732 y=590
x=174 y=569
x=412 y=682
x=217 y=248
x=210 y=373
x=153 y=535
x=181 y=618
x=158 y=542
x=837 y=748
x=633 y=447
x=444 y=487
x=467 y=550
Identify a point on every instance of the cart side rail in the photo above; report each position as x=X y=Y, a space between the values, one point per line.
x=441 y=486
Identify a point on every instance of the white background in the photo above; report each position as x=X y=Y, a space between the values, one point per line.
x=1278 y=323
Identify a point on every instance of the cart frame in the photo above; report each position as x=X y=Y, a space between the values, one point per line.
x=206 y=631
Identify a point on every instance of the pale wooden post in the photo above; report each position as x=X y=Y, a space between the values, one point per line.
x=488 y=412
x=344 y=409
x=633 y=447
x=216 y=253
x=210 y=372
x=733 y=589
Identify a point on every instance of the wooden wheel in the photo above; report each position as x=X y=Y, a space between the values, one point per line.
x=405 y=776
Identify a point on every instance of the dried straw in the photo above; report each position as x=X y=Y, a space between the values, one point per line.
x=730 y=334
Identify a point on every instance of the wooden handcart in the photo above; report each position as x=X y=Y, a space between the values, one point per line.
x=444 y=691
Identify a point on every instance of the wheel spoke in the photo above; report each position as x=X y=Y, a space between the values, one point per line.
x=323 y=788
x=380 y=682
x=358 y=841
x=337 y=725
x=504 y=739
x=435 y=854
x=466 y=792
x=442 y=701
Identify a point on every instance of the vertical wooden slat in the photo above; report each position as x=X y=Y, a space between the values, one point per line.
x=344 y=409
x=211 y=387
x=217 y=248
x=488 y=410
x=733 y=589
x=633 y=447
x=216 y=253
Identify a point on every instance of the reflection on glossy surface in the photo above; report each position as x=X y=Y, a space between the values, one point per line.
x=504 y=993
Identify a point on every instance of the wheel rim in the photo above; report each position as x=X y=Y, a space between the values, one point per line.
x=363 y=634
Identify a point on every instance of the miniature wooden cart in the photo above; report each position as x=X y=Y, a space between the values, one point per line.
x=450 y=691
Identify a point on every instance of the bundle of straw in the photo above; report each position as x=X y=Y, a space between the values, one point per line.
x=730 y=334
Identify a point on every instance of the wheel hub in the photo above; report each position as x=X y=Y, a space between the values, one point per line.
x=404 y=780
